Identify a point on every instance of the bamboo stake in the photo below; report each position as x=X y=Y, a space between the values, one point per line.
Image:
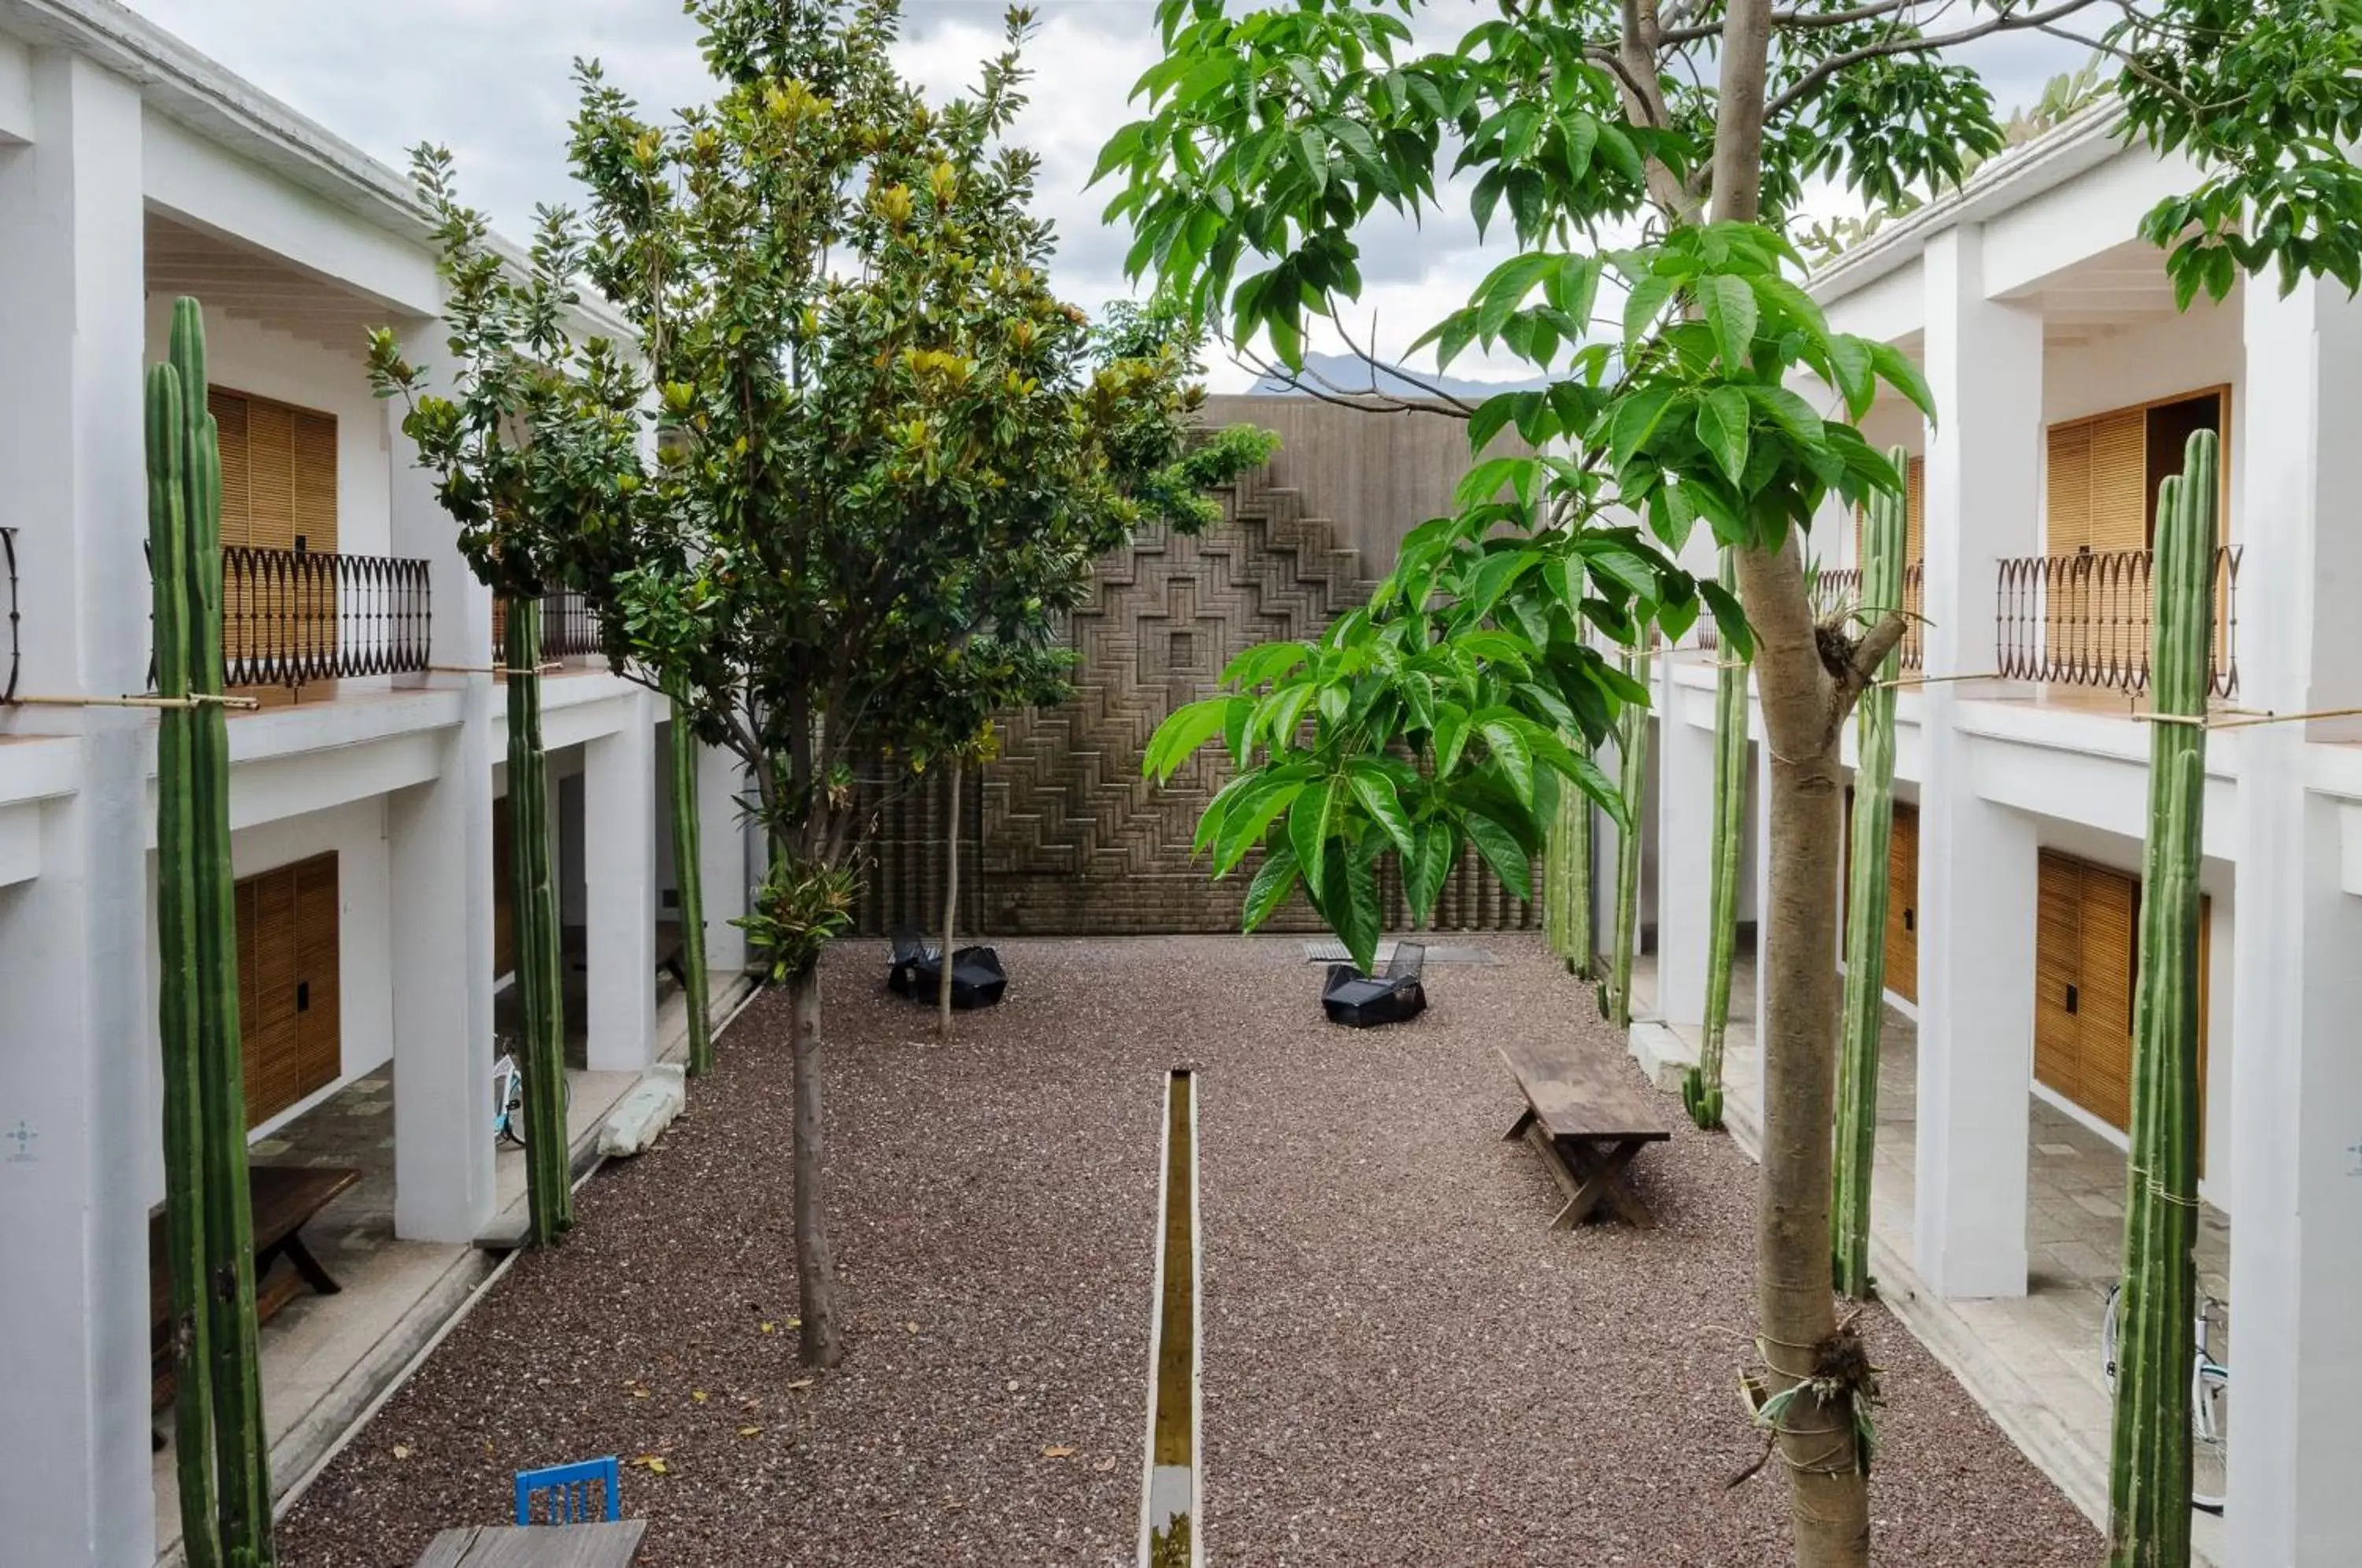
x=1865 y=983
x=241 y=1443
x=176 y=941
x=2149 y=1451
x=951 y=898
x=689 y=881
x=161 y=703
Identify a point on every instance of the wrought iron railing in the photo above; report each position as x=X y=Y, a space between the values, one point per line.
x=298 y=617
x=16 y=644
x=2083 y=620
x=1838 y=589
x=569 y=627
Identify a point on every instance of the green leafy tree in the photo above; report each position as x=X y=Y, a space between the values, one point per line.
x=871 y=460
x=1660 y=147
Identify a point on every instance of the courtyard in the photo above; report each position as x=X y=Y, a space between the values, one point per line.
x=1402 y=1362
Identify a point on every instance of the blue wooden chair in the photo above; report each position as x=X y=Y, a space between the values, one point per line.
x=567 y=1487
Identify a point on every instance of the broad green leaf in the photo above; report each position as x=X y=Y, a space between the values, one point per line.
x=1450 y=736
x=1737 y=639
x=1248 y=820
x=1376 y=791
x=1791 y=414
x=1187 y=728
x=1509 y=749
x=1729 y=309
x=1425 y=868
x=1643 y=305
x=1353 y=912
x=1849 y=362
x=1273 y=880
x=1636 y=417
x=1896 y=370
x=1502 y=852
x=1307 y=833
x=1722 y=429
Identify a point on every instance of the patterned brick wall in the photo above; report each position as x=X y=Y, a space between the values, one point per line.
x=1073 y=839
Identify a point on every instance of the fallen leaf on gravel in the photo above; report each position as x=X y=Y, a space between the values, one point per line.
x=402 y=1451
x=1104 y=1465
x=697 y=1395
x=653 y=1463
x=1057 y=1452
x=768 y=1326
x=748 y=1432
x=1013 y=1385
x=795 y=1322
x=802 y=1383
x=639 y=1393
x=912 y=1327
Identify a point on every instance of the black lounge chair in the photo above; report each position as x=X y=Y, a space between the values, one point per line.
x=1359 y=1001
x=915 y=970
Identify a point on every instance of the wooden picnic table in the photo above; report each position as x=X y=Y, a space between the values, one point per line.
x=1586 y=1119
x=284 y=1198
x=536 y=1546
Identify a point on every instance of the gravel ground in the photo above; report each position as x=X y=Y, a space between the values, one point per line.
x=1404 y=1365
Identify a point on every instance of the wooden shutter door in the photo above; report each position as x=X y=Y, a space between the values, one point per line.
x=2110 y=939
x=315 y=481
x=2057 y=964
x=1903 y=904
x=271 y=1051
x=2120 y=504
x=2066 y=522
x=504 y=893
x=1914 y=513
x=318 y=1015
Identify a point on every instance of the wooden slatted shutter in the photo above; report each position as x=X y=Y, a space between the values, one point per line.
x=228 y=410
x=289 y=996
x=318 y=916
x=504 y=893
x=312 y=455
x=2066 y=526
x=1916 y=511
x=270 y=474
x=2110 y=940
x=2057 y=961
x=2120 y=480
x=278 y=491
x=1902 y=904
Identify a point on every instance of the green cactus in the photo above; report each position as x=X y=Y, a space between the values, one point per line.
x=1722 y=888
x=688 y=884
x=548 y=1160
x=1633 y=777
x=223 y=1462
x=1882 y=536
x=1566 y=896
x=2149 y=1456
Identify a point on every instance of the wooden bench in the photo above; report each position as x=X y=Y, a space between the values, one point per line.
x=284 y=1200
x=537 y=1546
x=1586 y=1119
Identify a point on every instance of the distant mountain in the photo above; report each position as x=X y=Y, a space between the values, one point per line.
x=1348 y=373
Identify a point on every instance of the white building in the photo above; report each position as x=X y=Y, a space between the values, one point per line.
x=2067 y=382
x=363 y=799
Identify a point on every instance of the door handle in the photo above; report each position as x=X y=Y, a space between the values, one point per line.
x=1910 y=918
x=302 y=996
x=2070 y=999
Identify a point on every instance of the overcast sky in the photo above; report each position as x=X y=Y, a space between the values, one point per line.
x=490 y=79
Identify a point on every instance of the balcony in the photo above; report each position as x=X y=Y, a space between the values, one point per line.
x=569 y=628
x=298 y=618
x=2083 y=620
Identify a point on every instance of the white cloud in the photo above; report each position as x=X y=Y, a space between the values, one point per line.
x=492 y=80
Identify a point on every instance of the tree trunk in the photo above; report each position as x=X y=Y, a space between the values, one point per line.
x=951 y=898
x=1802 y=713
x=822 y=1343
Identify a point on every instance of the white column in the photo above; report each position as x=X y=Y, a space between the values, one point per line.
x=1977 y=861
x=1684 y=854
x=440 y=837
x=723 y=828
x=79 y=1124
x=619 y=885
x=2296 y=1109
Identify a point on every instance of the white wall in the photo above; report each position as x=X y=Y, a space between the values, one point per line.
x=244 y=356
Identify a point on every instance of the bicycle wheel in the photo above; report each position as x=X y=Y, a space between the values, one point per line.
x=512 y=1124
x=2209 y=1439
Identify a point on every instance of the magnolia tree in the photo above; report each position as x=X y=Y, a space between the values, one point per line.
x=1649 y=157
x=874 y=460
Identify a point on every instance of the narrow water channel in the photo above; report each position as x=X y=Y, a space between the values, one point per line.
x=1169 y=1495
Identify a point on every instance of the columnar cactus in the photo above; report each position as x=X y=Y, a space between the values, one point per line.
x=2149 y=1475
x=1633 y=778
x=223 y=1453
x=689 y=885
x=1702 y=1087
x=1566 y=895
x=549 y=1201
x=1883 y=536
